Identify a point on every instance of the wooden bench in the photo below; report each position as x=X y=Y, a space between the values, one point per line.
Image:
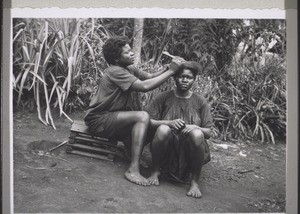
x=82 y=142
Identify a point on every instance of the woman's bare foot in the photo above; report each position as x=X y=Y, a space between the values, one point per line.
x=136 y=178
x=194 y=190
x=153 y=179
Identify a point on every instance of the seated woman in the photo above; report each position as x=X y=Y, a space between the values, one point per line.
x=182 y=122
x=112 y=113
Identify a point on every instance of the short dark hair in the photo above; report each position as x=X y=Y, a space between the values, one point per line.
x=112 y=48
x=194 y=67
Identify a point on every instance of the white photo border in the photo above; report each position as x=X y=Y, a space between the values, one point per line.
x=292 y=79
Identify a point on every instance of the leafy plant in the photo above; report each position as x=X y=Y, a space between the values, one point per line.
x=59 y=63
x=253 y=104
x=47 y=59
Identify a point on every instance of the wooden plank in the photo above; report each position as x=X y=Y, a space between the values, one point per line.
x=80 y=126
x=96 y=141
x=73 y=134
x=89 y=143
x=94 y=137
x=83 y=142
x=87 y=154
x=77 y=128
x=99 y=145
x=78 y=146
x=80 y=122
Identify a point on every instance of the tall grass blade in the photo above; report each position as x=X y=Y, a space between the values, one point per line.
x=27 y=57
x=90 y=50
x=52 y=48
x=38 y=77
x=36 y=66
x=67 y=116
x=63 y=46
x=18 y=33
x=270 y=133
x=52 y=90
x=16 y=80
x=70 y=72
x=257 y=123
x=59 y=99
x=24 y=77
x=37 y=93
x=46 y=36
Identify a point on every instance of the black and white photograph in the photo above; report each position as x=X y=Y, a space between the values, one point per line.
x=119 y=111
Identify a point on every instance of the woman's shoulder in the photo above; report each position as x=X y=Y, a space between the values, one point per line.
x=165 y=94
x=199 y=98
x=115 y=71
x=133 y=68
x=162 y=97
x=113 y=68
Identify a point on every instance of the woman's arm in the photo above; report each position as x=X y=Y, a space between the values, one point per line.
x=149 y=84
x=190 y=127
x=157 y=73
x=176 y=124
x=206 y=132
x=179 y=124
x=145 y=75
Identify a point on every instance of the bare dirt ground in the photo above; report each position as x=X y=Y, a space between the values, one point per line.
x=248 y=177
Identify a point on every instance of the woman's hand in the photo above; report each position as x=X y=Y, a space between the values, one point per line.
x=176 y=64
x=177 y=124
x=188 y=129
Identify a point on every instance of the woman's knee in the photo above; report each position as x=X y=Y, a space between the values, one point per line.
x=163 y=132
x=197 y=137
x=142 y=116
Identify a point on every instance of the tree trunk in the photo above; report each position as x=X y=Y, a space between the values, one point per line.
x=138 y=39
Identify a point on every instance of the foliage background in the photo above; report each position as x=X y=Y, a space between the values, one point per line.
x=57 y=64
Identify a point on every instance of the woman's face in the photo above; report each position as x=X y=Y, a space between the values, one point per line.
x=127 y=56
x=185 y=80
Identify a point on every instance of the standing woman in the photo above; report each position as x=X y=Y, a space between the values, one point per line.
x=111 y=112
x=181 y=121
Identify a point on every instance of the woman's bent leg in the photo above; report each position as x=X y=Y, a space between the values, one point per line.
x=195 y=152
x=159 y=148
x=135 y=123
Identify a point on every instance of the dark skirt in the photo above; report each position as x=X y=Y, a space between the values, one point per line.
x=103 y=124
x=175 y=166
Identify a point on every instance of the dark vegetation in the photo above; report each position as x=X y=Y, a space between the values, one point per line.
x=57 y=64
